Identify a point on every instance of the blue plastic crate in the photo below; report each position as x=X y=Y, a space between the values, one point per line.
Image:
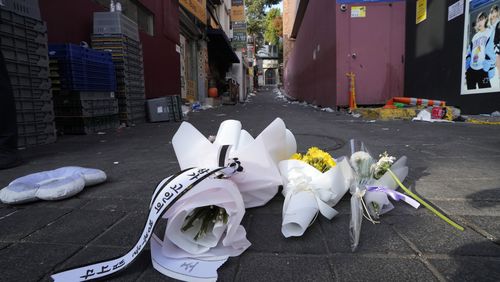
x=72 y=52
x=102 y=68
x=84 y=71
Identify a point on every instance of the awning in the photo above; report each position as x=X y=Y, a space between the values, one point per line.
x=219 y=47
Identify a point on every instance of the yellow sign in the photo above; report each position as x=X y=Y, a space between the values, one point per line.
x=421 y=10
x=358 y=12
x=238 y=13
x=197 y=7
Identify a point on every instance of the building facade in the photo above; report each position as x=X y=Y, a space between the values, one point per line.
x=158 y=20
x=437 y=55
x=186 y=44
x=193 y=48
x=394 y=48
x=289 y=13
x=268 y=66
x=221 y=55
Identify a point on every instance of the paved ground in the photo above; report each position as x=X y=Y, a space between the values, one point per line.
x=454 y=166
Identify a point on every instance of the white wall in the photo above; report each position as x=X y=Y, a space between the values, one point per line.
x=239 y=74
x=223 y=12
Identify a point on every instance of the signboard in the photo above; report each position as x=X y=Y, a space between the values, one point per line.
x=238 y=13
x=196 y=7
x=238 y=45
x=455 y=10
x=421 y=11
x=358 y=11
x=480 y=70
x=270 y=64
x=239 y=38
x=239 y=25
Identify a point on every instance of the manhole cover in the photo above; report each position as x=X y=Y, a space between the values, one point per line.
x=324 y=142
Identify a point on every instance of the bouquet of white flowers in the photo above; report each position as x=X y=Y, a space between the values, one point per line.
x=260 y=179
x=313 y=182
x=203 y=227
x=371 y=186
x=216 y=237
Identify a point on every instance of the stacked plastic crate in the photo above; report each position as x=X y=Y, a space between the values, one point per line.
x=116 y=33
x=24 y=47
x=83 y=83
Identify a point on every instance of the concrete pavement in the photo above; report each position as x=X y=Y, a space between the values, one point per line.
x=454 y=166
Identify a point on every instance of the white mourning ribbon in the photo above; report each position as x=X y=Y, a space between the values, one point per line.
x=166 y=194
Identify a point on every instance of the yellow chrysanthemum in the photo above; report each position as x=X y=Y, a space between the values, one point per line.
x=317 y=158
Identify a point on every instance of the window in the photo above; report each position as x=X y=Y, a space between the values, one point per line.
x=145 y=20
x=134 y=10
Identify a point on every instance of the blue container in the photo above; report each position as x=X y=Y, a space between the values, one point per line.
x=73 y=52
x=83 y=69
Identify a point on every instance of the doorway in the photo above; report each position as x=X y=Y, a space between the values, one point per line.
x=375 y=50
x=270 y=76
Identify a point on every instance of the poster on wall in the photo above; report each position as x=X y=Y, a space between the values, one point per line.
x=481 y=47
x=358 y=12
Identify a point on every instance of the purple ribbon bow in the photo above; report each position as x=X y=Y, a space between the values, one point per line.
x=394 y=195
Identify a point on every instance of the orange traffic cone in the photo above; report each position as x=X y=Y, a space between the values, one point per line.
x=352 y=91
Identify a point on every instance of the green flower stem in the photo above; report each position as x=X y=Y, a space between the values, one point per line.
x=208 y=215
x=417 y=198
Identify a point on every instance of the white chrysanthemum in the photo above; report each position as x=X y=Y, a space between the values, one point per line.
x=382 y=165
x=361 y=162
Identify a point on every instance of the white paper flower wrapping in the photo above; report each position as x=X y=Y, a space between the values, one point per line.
x=360 y=161
x=223 y=240
x=373 y=192
x=379 y=197
x=308 y=191
x=259 y=157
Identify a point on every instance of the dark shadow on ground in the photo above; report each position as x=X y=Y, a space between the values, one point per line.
x=468 y=268
x=485 y=198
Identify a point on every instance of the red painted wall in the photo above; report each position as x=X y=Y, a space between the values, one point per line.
x=310 y=74
x=71 y=22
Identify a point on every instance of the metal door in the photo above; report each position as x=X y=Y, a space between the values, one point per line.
x=376 y=50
